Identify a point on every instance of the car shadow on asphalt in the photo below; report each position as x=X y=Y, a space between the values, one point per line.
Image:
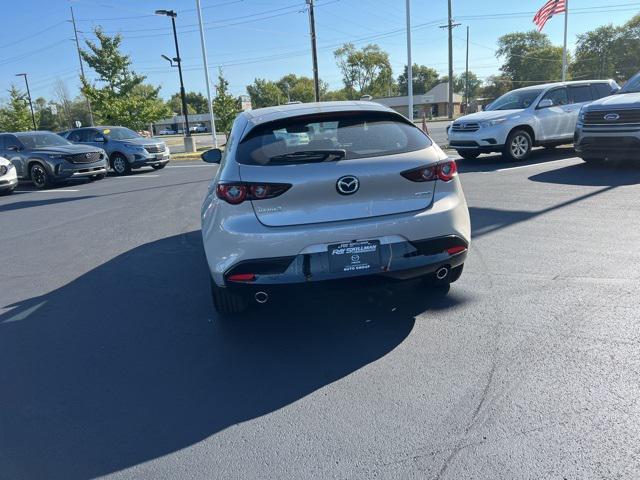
x=19 y=205
x=128 y=362
x=488 y=220
x=611 y=174
x=489 y=163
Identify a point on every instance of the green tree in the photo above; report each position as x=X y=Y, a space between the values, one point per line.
x=265 y=93
x=15 y=115
x=608 y=51
x=366 y=71
x=529 y=58
x=495 y=86
x=460 y=84
x=124 y=98
x=299 y=89
x=424 y=79
x=196 y=103
x=225 y=106
x=335 y=95
x=46 y=119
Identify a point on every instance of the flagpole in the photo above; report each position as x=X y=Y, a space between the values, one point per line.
x=564 y=52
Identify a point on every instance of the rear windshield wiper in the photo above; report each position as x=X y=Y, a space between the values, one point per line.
x=328 y=155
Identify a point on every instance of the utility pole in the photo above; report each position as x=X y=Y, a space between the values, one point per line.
x=450 y=26
x=33 y=117
x=314 y=53
x=75 y=33
x=466 y=78
x=564 y=50
x=206 y=75
x=409 y=62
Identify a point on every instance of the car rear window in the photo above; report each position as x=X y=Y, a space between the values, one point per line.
x=328 y=137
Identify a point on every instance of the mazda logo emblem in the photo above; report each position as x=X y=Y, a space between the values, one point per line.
x=348 y=185
x=612 y=117
x=87 y=155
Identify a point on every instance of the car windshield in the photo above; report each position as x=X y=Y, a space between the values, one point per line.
x=516 y=100
x=120 y=133
x=329 y=137
x=42 y=140
x=632 y=86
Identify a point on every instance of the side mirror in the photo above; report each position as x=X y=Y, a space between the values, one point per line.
x=546 y=103
x=212 y=156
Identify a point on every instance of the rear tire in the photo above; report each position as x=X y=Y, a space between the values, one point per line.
x=7 y=191
x=468 y=155
x=225 y=302
x=94 y=178
x=158 y=167
x=39 y=176
x=518 y=146
x=120 y=164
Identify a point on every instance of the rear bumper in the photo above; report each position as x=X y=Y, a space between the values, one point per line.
x=398 y=261
x=230 y=241
x=291 y=282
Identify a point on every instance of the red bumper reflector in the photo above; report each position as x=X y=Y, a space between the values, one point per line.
x=454 y=250
x=242 y=277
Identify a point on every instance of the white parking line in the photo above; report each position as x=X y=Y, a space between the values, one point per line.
x=144 y=175
x=541 y=164
x=56 y=190
x=189 y=166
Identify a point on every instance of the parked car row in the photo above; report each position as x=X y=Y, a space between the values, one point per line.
x=540 y=115
x=45 y=158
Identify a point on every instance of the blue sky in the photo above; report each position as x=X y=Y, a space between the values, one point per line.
x=268 y=38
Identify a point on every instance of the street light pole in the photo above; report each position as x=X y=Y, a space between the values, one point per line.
x=206 y=75
x=409 y=62
x=33 y=117
x=178 y=60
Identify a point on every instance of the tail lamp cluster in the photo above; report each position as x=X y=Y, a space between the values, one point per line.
x=444 y=171
x=237 y=192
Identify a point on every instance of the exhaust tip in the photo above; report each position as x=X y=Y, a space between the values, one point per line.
x=442 y=273
x=261 y=297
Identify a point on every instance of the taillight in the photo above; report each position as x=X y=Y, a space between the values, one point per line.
x=444 y=171
x=237 y=192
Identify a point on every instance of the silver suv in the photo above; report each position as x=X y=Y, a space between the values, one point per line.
x=364 y=195
x=610 y=127
x=127 y=149
x=541 y=115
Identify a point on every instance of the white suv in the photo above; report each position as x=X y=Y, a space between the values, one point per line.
x=544 y=115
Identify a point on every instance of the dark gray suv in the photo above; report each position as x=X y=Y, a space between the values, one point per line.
x=45 y=158
x=127 y=150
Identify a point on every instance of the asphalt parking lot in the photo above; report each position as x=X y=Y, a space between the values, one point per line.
x=113 y=363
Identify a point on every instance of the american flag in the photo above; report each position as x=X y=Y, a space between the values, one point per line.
x=550 y=8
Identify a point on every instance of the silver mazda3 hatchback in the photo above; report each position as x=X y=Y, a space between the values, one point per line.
x=327 y=193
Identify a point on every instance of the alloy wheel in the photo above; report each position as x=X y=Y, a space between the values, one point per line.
x=519 y=146
x=119 y=165
x=38 y=176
